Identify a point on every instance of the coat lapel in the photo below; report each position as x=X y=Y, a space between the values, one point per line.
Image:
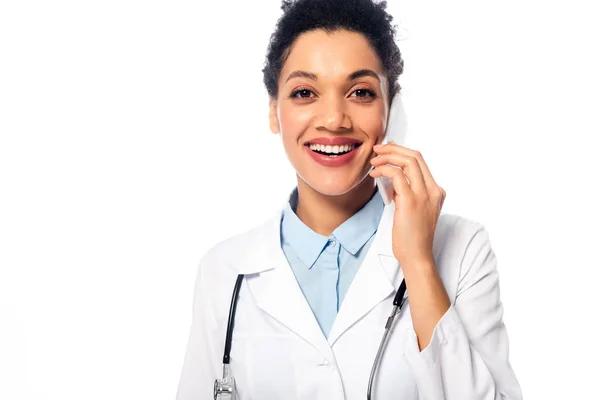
x=378 y=276
x=275 y=289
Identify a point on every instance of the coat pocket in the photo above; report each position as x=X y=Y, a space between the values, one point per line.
x=271 y=366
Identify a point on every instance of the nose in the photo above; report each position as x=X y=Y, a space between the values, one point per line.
x=333 y=116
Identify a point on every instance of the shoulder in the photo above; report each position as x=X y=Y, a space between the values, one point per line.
x=456 y=230
x=227 y=255
x=461 y=249
x=219 y=267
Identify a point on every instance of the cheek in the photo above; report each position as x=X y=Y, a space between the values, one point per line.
x=294 y=122
x=372 y=125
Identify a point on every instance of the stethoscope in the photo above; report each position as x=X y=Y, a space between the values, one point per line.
x=225 y=388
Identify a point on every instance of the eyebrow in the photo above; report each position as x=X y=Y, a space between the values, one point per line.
x=355 y=75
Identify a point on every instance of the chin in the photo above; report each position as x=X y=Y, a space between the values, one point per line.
x=336 y=186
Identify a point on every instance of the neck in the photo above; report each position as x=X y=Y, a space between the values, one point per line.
x=323 y=213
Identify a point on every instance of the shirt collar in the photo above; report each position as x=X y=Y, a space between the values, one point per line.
x=352 y=234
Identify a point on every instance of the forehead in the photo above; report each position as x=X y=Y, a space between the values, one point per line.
x=331 y=55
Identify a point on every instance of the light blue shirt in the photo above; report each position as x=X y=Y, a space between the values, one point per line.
x=325 y=266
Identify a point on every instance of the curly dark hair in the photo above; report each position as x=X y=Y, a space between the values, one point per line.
x=361 y=16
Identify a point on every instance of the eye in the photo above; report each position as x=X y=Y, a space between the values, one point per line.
x=303 y=92
x=363 y=92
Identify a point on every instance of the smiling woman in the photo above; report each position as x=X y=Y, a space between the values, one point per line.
x=314 y=285
x=331 y=82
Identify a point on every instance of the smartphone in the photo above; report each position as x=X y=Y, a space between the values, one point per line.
x=395 y=131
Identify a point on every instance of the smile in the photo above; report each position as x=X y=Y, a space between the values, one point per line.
x=333 y=150
x=332 y=156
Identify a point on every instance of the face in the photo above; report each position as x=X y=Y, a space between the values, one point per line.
x=331 y=109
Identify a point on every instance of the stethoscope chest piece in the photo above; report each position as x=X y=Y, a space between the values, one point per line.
x=225 y=388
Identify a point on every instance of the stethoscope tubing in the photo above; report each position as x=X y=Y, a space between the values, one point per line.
x=230 y=320
x=399 y=301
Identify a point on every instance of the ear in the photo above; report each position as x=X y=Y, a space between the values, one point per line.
x=273 y=119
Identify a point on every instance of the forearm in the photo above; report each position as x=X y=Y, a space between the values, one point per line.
x=428 y=298
x=459 y=348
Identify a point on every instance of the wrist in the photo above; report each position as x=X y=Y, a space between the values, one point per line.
x=424 y=264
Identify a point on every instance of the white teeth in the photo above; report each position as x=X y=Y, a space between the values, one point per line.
x=333 y=149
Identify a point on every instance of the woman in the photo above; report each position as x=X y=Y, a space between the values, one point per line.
x=319 y=277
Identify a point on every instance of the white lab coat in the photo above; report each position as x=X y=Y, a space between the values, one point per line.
x=279 y=352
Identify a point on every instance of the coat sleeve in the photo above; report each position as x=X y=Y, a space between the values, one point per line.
x=201 y=362
x=467 y=357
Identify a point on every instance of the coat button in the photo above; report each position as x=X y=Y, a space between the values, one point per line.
x=325 y=363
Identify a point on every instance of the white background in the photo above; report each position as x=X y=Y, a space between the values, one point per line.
x=134 y=136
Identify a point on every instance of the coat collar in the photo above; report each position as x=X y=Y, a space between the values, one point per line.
x=265 y=240
x=276 y=291
x=352 y=234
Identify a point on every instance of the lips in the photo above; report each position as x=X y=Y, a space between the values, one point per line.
x=333 y=160
x=332 y=141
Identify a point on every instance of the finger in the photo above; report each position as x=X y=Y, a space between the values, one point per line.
x=443 y=198
x=410 y=166
x=391 y=148
x=401 y=186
